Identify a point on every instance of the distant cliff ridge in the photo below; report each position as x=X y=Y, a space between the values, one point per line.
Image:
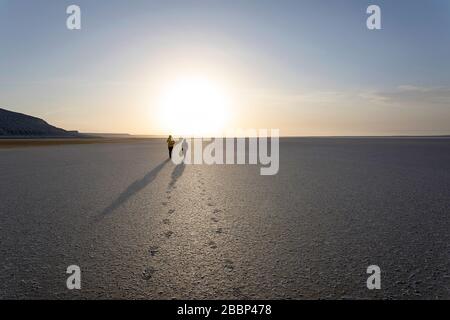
x=13 y=124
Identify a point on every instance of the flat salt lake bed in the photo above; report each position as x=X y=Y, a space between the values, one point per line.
x=140 y=227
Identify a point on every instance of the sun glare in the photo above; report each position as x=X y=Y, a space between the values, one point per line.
x=194 y=106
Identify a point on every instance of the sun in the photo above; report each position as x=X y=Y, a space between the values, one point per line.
x=194 y=106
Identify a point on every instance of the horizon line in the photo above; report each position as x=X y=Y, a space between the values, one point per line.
x=281 y=136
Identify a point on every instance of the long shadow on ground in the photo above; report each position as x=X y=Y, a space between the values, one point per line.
x=134 y=188
x=176 y=174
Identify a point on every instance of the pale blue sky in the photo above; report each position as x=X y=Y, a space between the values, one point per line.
x=306 y=67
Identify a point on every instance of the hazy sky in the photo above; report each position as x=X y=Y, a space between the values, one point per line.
x=305 y=67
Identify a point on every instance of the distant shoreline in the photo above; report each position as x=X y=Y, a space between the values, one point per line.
x=38 y=142
x=10 y=142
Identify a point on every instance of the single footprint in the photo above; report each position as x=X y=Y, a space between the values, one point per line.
x=217 y=211
x=168 y=234
x=212 y=244
x=164 y=203
x=219 y=230
x=168 y=197
x=229 y=265
x=148 y=273
x=215 y=219
x=237 y=291
x=210 y=204
x=171 y=211
x=153 y=250
x=166 y=221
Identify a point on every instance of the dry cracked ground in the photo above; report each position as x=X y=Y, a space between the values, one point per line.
x=140 y=227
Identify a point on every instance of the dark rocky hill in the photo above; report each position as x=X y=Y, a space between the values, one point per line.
x=13 y=124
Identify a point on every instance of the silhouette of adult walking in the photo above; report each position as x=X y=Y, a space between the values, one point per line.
x=170 y=144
